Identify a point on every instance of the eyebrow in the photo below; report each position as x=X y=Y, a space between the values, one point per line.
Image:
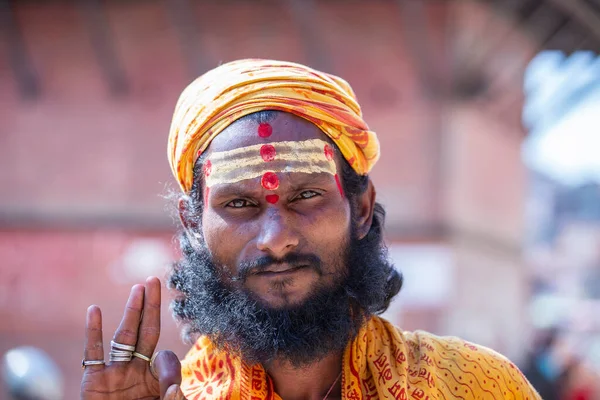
x=301 y=179
x=296 y=181
x=240 y=188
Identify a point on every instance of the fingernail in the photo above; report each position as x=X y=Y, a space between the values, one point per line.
x=137 y=285
x=172 y=391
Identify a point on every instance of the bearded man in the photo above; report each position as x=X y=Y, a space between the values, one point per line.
x=284 y=268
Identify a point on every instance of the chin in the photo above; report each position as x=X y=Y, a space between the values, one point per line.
x=281 y=301
x=282 y=295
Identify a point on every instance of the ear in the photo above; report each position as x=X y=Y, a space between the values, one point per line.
x=188 y=220
x=364 y=211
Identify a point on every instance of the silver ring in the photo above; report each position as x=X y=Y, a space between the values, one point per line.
x=85 y=363
x=119 y=358
x=119 y=355
x=121 y=346
x=120 y=352
x=140 y=355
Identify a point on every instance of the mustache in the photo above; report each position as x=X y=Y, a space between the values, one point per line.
x=261 y=264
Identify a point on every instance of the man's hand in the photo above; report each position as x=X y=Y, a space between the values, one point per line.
x=140 y=327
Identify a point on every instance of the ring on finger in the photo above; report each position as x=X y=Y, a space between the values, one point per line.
x=152 y=370
x=85 y=363
x=120 y=355
x=121 y=346
x=114 y=358
x=119 y=358
x=140 y=355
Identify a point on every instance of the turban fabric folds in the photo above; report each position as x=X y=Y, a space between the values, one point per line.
x=219 y=97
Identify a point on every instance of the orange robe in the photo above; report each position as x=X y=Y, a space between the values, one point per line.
x=382 y=362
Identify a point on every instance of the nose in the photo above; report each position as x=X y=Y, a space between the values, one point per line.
x=277 y=235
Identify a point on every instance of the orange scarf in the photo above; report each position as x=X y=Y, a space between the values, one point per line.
x=219 y=97
x=382 y=362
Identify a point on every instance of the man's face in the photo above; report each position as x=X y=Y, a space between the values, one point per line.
x=279 y=245
x=279 y=271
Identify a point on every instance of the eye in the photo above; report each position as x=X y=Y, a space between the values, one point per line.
x=239 y=203
x=307 y=194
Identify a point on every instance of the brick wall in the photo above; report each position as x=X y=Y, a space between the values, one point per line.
x=83 y=171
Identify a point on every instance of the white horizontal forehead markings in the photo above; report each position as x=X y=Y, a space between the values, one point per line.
x=289 y=150
x=308 y=156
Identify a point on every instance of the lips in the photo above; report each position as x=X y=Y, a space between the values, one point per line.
x=267 y=266
x=279 y=269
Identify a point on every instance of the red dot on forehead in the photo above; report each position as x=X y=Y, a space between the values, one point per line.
x=267 y=152
x=270 y=181
x=328 y=152
x=272 y=198
x=207 y=168
x=264 y=130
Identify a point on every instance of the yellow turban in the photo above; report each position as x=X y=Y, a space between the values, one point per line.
x=221 y=96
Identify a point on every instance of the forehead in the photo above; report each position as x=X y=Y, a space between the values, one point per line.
x=284 y=127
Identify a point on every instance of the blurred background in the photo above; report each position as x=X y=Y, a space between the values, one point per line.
x=488 y=113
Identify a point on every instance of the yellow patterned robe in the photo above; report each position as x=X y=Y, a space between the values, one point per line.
x=381 y=363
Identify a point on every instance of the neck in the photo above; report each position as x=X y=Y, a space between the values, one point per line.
x=310 y=382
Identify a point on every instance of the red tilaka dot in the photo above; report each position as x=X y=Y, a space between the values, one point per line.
x=264 y=130
x=270 y=181
x=272 y=198
x=267 y=152
x=328 y=152
x=207 y=168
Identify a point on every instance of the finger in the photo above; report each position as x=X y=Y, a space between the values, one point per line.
x=149 y=330
x=174 y=393
x=127 y=331
x=168 y=369
x=93 y=349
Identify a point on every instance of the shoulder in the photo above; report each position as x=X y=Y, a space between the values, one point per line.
x=477 y=368
x=452 y=366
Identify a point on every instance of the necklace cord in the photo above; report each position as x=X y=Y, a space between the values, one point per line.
x=332 y=386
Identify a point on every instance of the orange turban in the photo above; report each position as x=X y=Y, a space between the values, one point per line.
x=221 y=96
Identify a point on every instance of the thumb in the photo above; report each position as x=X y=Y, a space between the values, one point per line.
x=168 y=369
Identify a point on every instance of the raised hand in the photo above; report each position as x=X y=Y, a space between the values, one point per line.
x=140 y=327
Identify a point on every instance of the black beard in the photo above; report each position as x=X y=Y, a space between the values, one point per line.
x=300 y=334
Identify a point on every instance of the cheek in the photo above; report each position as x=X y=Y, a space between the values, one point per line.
x=329 y=228
x=214 y=230
x=225 y=241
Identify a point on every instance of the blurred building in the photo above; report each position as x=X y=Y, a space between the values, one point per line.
x=86 y=95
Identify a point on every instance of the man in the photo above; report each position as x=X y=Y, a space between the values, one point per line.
x=284 y=268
